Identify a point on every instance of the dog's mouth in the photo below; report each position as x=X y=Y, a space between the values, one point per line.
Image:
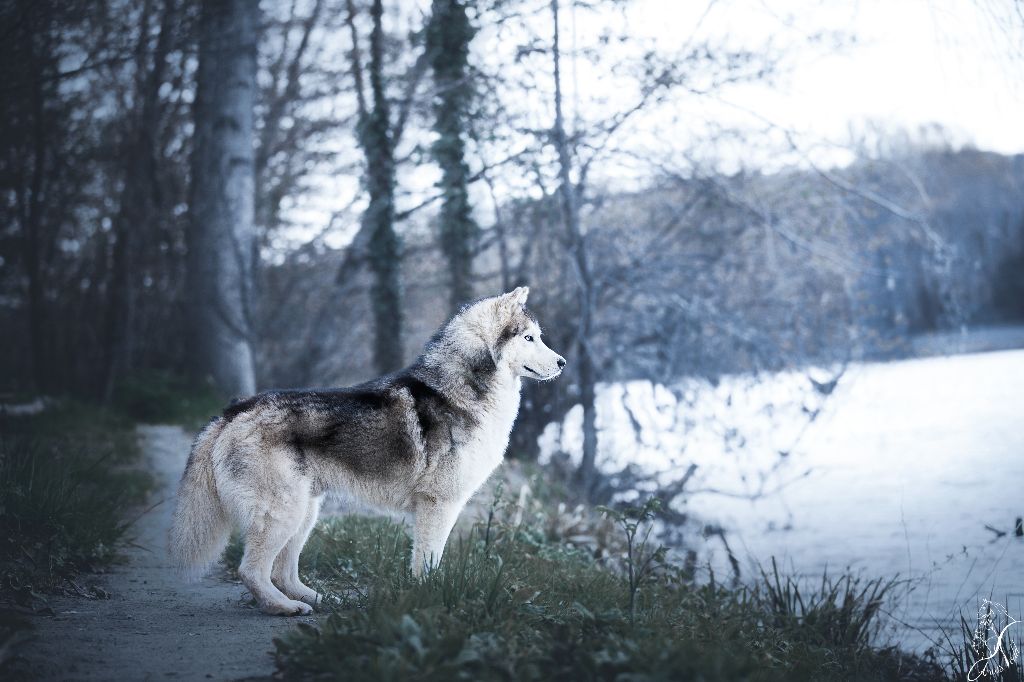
x=538 y=374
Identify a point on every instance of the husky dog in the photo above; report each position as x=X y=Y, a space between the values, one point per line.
x=422 y=440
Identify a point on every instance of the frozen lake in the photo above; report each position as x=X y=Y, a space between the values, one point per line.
x=899 y=473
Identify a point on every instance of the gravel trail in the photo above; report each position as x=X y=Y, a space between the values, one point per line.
x=154 y=626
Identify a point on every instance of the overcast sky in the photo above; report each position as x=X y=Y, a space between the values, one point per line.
x=959 y=63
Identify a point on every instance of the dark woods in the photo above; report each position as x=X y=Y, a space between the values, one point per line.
x=96 y=140
x=159 y=158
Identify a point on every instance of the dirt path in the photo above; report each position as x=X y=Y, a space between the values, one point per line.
x=154 y=626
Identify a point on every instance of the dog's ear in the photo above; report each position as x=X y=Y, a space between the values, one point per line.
x=511 y=303
x=518 y=295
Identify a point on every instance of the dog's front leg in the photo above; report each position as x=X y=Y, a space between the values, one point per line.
x=434 y=521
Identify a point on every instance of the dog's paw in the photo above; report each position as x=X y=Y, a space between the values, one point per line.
x=288 y=608
x=304 y=594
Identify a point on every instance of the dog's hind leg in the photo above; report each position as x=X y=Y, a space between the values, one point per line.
x=286 y=566
x=266 y=535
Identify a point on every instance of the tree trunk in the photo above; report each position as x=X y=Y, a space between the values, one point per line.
x=33 y=256
x=137 y=208
x=448 y=38
x=37 y=48
x=221 y=237
x=375 y=136
x=587 y=373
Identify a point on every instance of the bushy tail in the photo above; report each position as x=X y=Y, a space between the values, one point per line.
x=200 y=528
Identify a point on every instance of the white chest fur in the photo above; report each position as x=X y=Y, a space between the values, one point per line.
x=485 y=448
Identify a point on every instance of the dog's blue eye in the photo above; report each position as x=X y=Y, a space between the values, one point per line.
x=529 y=338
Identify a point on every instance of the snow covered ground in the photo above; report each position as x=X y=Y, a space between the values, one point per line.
x=902 y=469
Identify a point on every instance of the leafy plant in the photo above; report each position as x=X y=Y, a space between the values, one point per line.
x=641 y=562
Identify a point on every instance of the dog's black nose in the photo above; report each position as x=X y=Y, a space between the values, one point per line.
x=561 y=363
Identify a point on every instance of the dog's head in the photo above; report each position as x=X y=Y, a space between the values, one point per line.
x=513 y=336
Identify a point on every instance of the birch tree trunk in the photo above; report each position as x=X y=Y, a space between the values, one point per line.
x=221 y=237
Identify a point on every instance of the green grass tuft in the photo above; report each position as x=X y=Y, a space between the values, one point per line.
x=509 y=602
x=66 y=483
